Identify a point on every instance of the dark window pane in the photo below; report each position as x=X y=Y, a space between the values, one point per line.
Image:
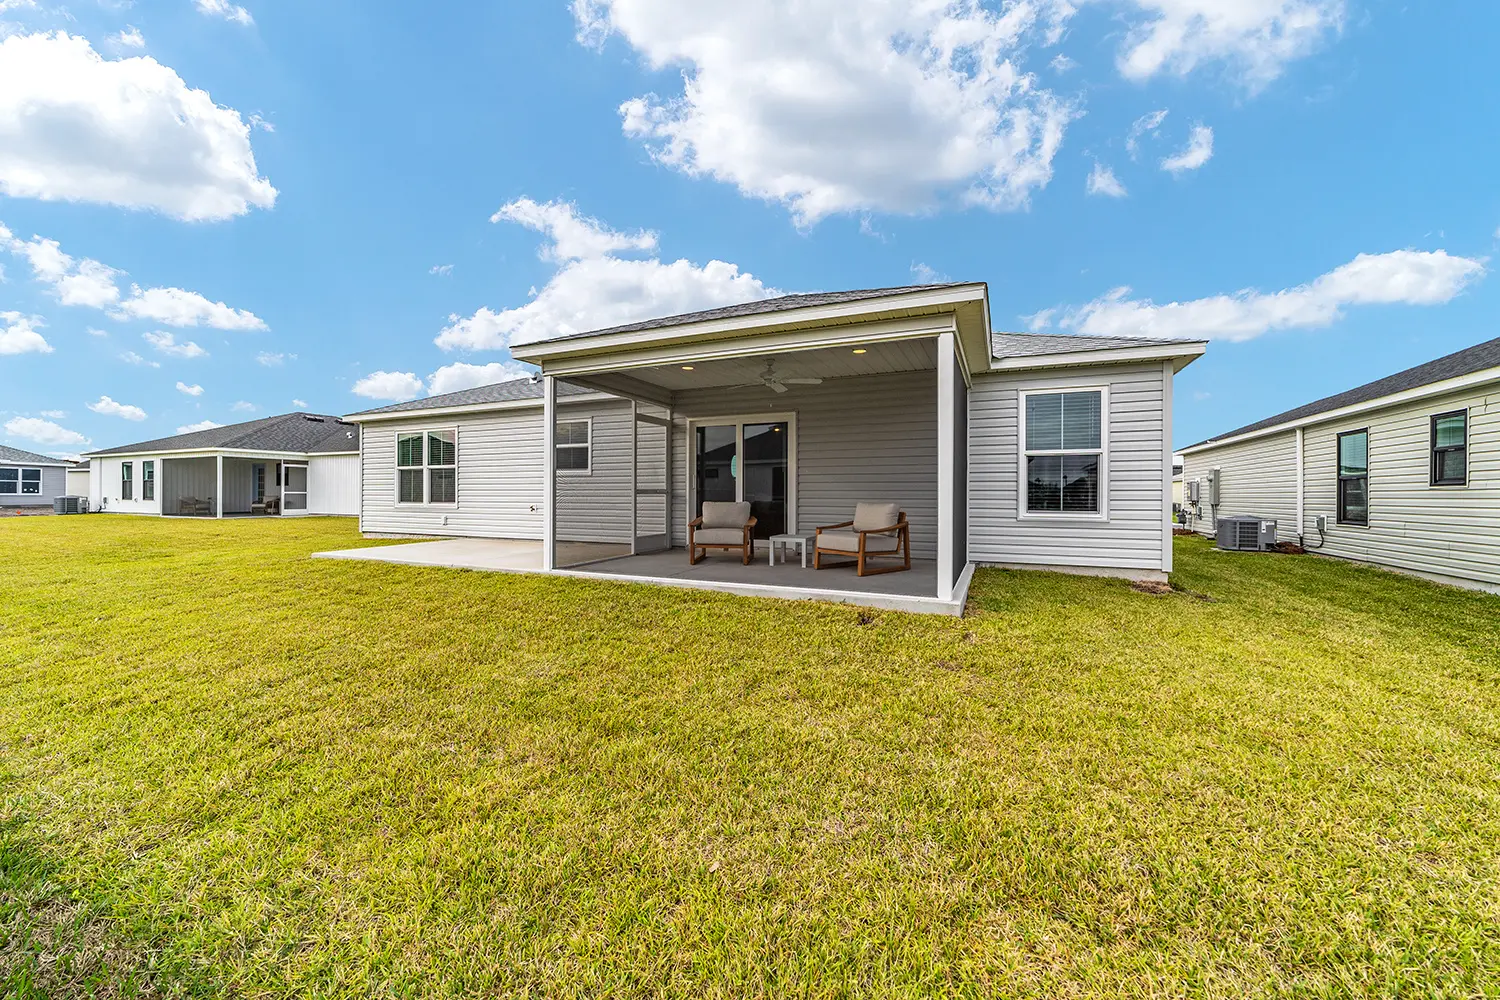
x=1354 y=459
x=1044 y=422
x=1448 y=432
x=31 y=481
x=572 y=459
x=408 y=449
x=442 y=448
x=9 y=480
x=1354 y=503
x=1044 y=482
x=1081 y=421
x=1080 y=484
x=1450 y=465
x=410 y=485
x=573 y=432
x=442 y=487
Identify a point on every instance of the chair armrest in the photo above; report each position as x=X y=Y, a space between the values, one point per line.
x=830 y=527
x=696 y=522
x=882 y=531
x=751 y=523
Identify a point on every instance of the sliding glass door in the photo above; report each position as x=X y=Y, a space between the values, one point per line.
x=746 y=460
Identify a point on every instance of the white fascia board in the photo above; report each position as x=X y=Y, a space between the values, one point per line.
x=1185 y=352
x=1421 y=392
x=717 y=328
x=40 y=465
x=208 y=453
x=473 y=408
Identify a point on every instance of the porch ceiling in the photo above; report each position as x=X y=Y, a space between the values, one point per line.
x=877 y=358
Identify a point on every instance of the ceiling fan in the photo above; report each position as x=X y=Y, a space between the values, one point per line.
x=776 y=383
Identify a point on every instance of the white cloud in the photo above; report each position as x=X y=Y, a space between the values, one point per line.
x=109 y=408
x=18 y=335
x=177 y=307
x=927 y=275
x=256 y=121
x=828 y=106
x=43 y=432
x=452 y=378
x=274 y=360
x=75 y=126
x=397 y=386
x=189 y=390
x=133 y=358
x=166 y=343
x=226 y=10
x=130 y=37
x=241 y=406
x=1198 y=151
x=1062 y=64
x=300 y=404
x=55 y=414
x=72 y=282
x=1102 y=181
x=94 y=331
x=573 y=236
x=1147 y=123
x=600 y=291
x=202 y=425
x=442 y=270
x=1257 y=38
x=1407 y=277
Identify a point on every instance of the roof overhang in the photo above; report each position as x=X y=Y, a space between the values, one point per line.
x=1181 y=355
x=960 y=309
x=1414 y=395
x=470 y=408
x=214 y=453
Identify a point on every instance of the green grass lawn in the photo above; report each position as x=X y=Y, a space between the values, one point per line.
x=226 y=769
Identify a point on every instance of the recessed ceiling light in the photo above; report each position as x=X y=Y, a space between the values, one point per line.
x=859 y=350
x=687 y=368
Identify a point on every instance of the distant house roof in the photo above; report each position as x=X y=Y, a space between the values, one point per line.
x=498 y=392
x=1466 y=362
x=1027 y=345
x=15 y=456
x=299 y=433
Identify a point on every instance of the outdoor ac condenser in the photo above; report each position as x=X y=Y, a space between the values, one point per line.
x=1244 y=533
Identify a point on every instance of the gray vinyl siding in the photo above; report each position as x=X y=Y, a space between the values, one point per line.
x=1449 y=531
x=54 y=485
x=869 y=438
x=501 y=478
x=1137 y=474
x=1257 y=477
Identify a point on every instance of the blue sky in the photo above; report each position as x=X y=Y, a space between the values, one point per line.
x=214 y=212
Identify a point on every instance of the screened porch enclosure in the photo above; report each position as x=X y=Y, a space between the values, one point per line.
x=214 y=486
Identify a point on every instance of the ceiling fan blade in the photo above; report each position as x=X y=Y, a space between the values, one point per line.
x=775 y=386
x=802 y=381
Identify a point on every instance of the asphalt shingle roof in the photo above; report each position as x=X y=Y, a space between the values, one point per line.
x=1466 y=362
x=1027 y=345
x=498 y=392
x=15 y=456
x=305 y=433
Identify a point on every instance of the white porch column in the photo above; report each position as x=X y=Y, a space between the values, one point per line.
x=1301 y=487
x=635 y=472
x=549 y=445
x=219 y=478
x=947 y=453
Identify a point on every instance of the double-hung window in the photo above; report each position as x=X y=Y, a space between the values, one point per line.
x=1354 y=477
x=1450 y=448
x=148 y=480
x=427 y=467
x=25 y=482
x=127 y=481
x=575 y=446
x=1063 y=452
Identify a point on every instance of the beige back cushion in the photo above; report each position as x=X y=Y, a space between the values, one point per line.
x=873 y=516
x=717 y=514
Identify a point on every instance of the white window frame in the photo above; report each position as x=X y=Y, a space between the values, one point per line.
x=20 y=490
x=587 y=470
x=426 y=467
x=148 y=480
x=127 y=476
x=1022 y=513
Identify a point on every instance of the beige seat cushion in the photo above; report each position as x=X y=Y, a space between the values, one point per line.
x=718 y=514
x=848 y=541
x=719 y=536
x=873 y=516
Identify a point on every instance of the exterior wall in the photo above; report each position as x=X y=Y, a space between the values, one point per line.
x=1134 y=536
x=1257 y=477
x=77 y=482
x=868 y=438
x=1448 y=531
x=104 y=485
x=332 y=485
x=500 y=478
x=54 y=484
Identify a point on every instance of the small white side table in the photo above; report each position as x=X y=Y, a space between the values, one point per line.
x=799 y=542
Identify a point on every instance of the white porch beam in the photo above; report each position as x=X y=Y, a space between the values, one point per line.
x=947 y=389
x=635 y=471
x=549 y=464
x=219 y=479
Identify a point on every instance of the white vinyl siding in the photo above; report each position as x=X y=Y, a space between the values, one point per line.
x=1132 y=536
x=1257 y=477
x=332 y=484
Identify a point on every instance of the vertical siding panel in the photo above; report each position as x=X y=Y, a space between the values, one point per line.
x=1257 y=477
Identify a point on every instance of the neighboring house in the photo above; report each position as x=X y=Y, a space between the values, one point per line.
x=1179 y=488
x=1403 y=472
x=78 y=478
x=30 y=480
x=295 y=463
x=1036 y=451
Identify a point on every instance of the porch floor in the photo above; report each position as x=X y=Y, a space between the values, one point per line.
x=914 y=590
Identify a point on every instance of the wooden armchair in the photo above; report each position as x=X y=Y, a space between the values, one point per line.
x=722 y=526
x=878 y=530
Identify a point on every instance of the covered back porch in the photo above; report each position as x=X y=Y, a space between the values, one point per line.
x=233 y=486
